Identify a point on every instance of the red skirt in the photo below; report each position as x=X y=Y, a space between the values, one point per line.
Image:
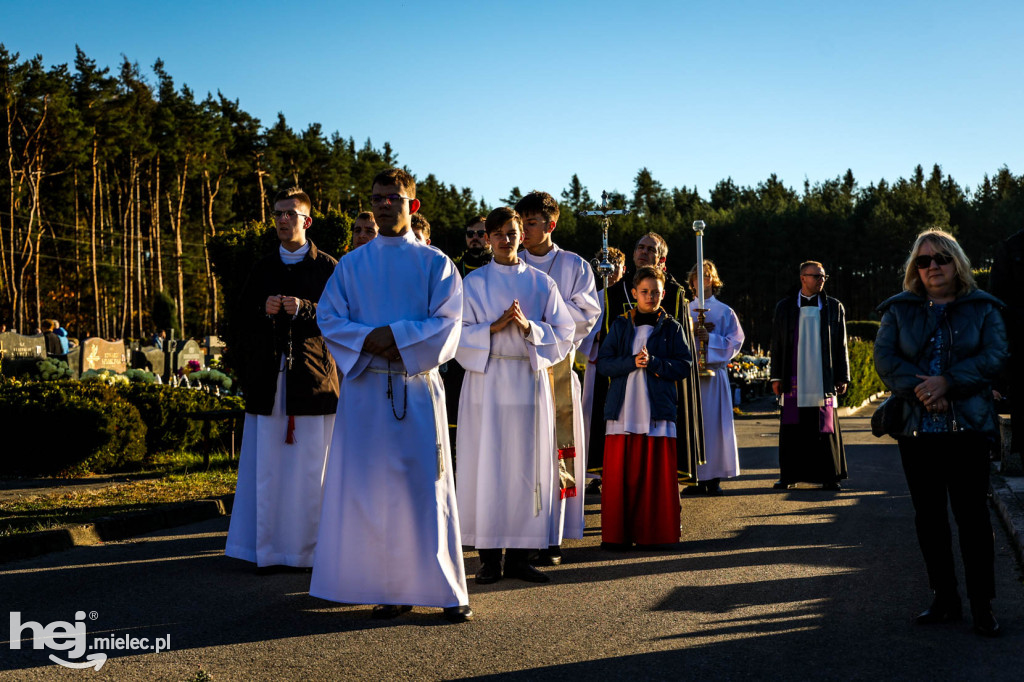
x=639 y=492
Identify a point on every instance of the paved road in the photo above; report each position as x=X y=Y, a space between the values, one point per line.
x=765 y=585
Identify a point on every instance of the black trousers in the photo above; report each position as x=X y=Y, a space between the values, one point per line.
x=952 y=466
x=513 y=557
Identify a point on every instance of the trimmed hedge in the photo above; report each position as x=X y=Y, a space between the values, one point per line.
x=165 y=410
x=864 y=380
x=67 y=428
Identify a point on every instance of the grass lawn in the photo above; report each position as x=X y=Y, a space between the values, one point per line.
x=170 y=478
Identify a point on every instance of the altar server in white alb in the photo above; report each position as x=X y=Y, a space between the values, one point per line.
x=514 y=327
x=724 y=338
x=291 y=394
x=575 y=281
x=391 y=314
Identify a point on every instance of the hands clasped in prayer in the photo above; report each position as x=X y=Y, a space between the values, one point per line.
x=514 y=314
x=381 y=341
x=932 y=391
x=289 y=304
x=642 y=358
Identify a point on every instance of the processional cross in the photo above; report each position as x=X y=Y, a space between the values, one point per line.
x=604 y=267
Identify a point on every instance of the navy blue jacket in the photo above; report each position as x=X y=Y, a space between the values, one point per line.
x=669 y=362
x=976 y=354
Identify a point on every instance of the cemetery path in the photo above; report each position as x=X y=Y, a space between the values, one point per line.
x=31 y=488
x=797 y=584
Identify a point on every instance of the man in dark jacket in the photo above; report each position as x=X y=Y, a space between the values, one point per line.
x=290 y=383
x=810 y=369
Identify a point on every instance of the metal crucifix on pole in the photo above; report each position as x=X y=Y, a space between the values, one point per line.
x=604 y=267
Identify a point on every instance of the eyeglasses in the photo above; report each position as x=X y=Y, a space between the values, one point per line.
x=823 y=278
x=478 y=233
x=379 y=199
x=924 y=262
x=292 y=215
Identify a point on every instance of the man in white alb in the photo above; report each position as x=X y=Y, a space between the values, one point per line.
x=391 y=314
x=515 y=327
x=575 y=281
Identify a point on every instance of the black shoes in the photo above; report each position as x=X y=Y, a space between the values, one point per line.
x=711 y=488
x=489 y=573
x=984 y=622
x=552 y=556
x=525 y=571
x=782 y=485
x=452 y=614
x=944 y=609
x=831 y=486
x=458 y=614
x=389 y=611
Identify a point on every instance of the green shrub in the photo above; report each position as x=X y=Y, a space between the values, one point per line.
x=864 y=380
x=863 y=329
x=165 y=410
x=65 y=428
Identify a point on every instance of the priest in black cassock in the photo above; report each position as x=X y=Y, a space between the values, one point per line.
x=810 y=370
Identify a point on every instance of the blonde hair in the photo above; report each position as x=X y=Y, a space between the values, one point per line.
x=710 y=271
x=942 y=242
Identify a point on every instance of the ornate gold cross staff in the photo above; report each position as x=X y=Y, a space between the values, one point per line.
x=702 y=355
x=604 y=267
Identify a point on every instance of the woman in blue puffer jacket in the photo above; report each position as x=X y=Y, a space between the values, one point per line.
x=941 y=344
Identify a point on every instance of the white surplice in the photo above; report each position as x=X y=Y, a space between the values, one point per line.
x=724 y=343
x=389 y=527
x=508 y=462
x=276 y=511
x=575 y=281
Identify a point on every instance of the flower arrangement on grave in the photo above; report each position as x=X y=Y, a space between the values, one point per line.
x=51 y=369
x=140 y=376
x=211 y=378
x=104 y=376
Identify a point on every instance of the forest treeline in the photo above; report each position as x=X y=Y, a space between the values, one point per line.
x=120 y=188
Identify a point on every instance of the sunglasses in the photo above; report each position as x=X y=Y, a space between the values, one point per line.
x=923 y=262
x=478 y=233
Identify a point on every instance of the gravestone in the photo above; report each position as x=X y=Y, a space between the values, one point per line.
x=100 y=354
x=150 y=358
x=214 y=348
x=74 y=360
x=20 y=353
x=189 y=350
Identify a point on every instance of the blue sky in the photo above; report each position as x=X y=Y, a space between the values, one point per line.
x=493 y=95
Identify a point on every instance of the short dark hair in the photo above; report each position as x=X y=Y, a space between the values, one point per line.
x=662 y=245
x=538 y=202
x=398 y=177
x=476 y=219
x=294 y=193
x=420 y=223
x=366 y=215
x=497 y=219
x=648 y=272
